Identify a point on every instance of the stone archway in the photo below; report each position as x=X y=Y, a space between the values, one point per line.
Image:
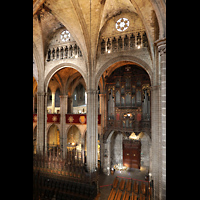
x=59 y=67
x=53 y=139
x=126 y=60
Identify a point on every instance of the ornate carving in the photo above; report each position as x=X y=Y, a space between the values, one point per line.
x=162 y=49
x=161 y=44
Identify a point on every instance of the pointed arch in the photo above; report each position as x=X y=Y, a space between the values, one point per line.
x=114 y=60
x=53 y=136
x=59 y=67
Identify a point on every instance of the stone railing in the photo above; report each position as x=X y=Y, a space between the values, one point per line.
x=64 y=51
x=129 y=41
x=136 y=126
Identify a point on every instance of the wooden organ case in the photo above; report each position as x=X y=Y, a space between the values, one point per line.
x=128 y=106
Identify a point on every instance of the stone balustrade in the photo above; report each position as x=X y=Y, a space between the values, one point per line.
x=64 y=51
x=129 y=41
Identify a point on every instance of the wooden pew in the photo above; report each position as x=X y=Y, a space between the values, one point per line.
x=142 y=197
x=143 y=188
x=126 y=196
x=135 y=187
x=115 y=182
x=112 y=194
x=128 y=185
x=118 y=195
x=149 y=190
x=134 y=196
x=122 y=184
x=148 y=197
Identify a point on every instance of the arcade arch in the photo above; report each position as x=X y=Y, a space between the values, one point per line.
x=53 y=138
x=60 y=67
x=125 y=108
x=74 y=139
x=63 y=82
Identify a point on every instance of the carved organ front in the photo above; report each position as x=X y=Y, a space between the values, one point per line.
x=128 y=100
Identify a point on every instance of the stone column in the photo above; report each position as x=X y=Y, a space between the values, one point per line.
x=41 y=122
x=63 y=111
x=158 y=117
x=161 y=44
x=155 y=127
x=92 y=130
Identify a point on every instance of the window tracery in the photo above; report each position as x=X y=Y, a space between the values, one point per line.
x=122 y=24
x=65 y=36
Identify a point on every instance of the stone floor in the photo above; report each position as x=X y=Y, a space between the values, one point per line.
x=105 y=181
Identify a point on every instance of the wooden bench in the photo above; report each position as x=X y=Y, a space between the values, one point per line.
x=135 y=187
x=112 y=194
x=149 y=190
x=122 y=184
x=118 y=195
x=142 y=197
x=148 y=197
x=143 y=188
x=134 y=196
x=126 y=196
x=128 y=185
x=115 y=182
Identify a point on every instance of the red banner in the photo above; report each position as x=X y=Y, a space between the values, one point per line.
x=34 y=117
x=76 y=118
x=70 y=118
x=55 y=118
x=79 y=118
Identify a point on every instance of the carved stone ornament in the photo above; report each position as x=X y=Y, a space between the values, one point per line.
x=161 y=44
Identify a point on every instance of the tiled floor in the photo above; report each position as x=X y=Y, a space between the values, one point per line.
x=105 y=180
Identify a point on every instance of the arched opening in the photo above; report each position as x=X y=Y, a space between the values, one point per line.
x=53 y=139
x=68 y=69
x=68 y=83
x=79 y=99
x=128 y=109
x=74 y=142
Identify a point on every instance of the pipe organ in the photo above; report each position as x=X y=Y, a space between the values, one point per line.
x=128 y=99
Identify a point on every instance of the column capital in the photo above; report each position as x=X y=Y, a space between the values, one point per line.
x=161 y=44
x=154 y=87
x=102 y=94
x=92 y=91
x=41 y=93
x=63 y=96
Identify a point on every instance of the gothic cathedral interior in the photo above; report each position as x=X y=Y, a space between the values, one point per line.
x=99 y=99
